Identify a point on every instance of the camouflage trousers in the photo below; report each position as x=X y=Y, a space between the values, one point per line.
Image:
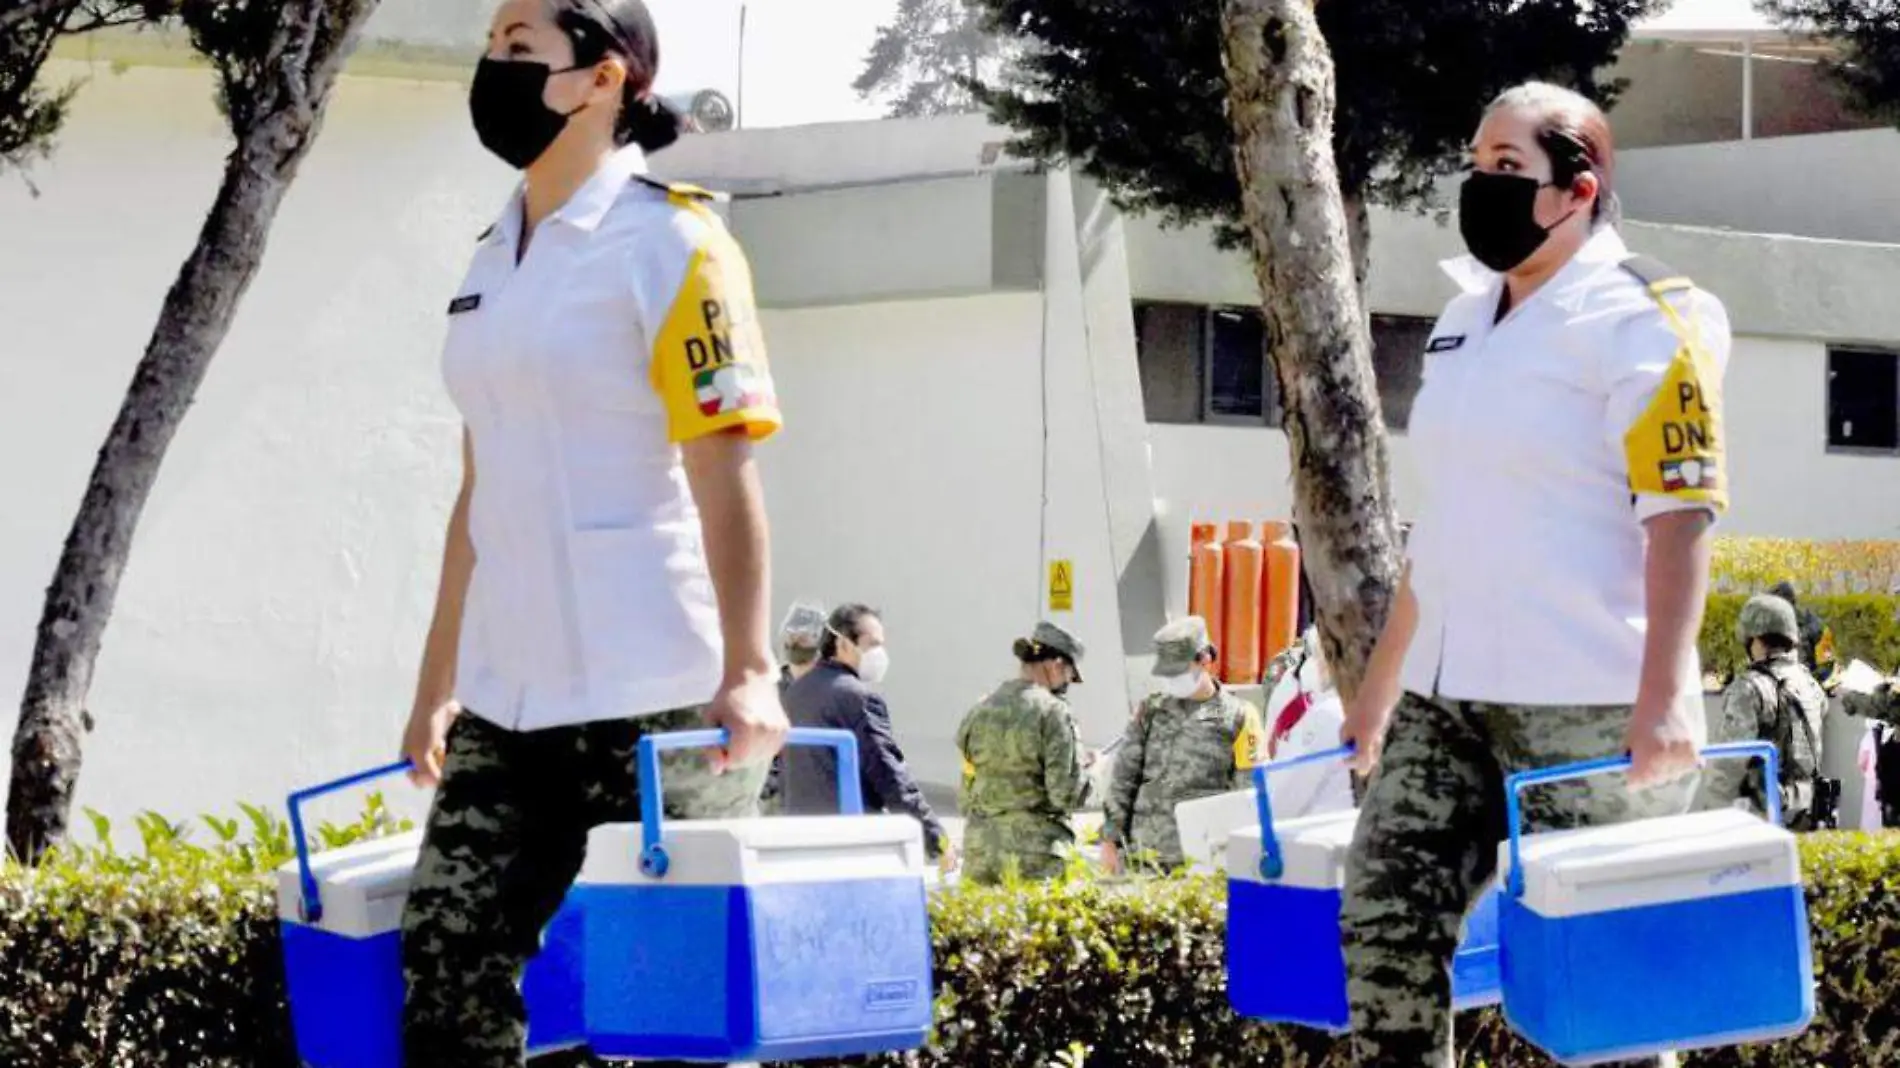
x=504 y=842
x=1031 y=841
x=1427 y=843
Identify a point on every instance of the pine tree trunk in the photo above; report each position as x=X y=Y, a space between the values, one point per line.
x=283 y=118
x=1280 y=101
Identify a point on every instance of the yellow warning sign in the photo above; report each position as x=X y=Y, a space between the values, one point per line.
x=1061 y=586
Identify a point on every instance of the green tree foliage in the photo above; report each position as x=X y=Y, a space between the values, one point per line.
x=1134 y=92
x=1869 y=34
x=31 y=113
x=929 y=58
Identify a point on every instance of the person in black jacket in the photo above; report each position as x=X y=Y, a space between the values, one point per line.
x=837 y=694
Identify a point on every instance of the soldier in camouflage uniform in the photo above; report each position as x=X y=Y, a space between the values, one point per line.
x=506 y=838
x=1194 y=739
x=1023 y=765
x=1775 y=700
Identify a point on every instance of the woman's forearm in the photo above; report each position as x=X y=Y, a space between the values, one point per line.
x=725 y=482
x=435 y=681
x=1676 y=586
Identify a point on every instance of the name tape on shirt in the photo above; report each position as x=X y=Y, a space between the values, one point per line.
x=464 y=305
x=1445 y=344
x=1676 y=448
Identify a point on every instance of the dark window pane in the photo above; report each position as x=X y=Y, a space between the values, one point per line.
x=1168 y=347
x=1863 y=399
x=1398 y=359
x=1236 y=359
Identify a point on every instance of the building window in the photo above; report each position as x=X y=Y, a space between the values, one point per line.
x=1863 y=400
x=1237 y=367
x=1204 y=364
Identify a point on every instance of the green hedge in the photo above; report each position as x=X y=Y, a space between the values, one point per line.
x=1866 y=627
x=169 y=960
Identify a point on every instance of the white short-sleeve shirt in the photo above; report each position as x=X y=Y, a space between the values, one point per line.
x=1543 y=442
x=627 y=329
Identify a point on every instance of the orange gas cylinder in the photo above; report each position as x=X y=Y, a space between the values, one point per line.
x=1237 y=530
x=1200 y=534
x=1280 y=605
x=1240 y=654
x=1207 y=593
x=1273 y=530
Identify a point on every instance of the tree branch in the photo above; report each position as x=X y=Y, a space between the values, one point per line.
x=31 y=10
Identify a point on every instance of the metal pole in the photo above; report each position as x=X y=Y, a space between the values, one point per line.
x=738 y=107
x=1748 y=87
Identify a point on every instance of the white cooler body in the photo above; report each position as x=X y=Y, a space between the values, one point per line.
x=344 y=972
x=766 y=939
x=1667 y=934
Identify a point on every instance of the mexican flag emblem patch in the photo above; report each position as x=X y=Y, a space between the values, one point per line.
x=731 y=388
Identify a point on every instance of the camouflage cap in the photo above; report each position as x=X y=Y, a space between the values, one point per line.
x=1766 y=614
x=1179 y=645
x=1049 y=636
x=801 y=633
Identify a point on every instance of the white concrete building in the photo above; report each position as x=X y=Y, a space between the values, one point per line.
x=986 y=368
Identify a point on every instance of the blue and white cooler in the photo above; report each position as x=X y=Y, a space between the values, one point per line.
x=756 y=939
x=1285 y=882
x=1680 y=933
x=340 y=917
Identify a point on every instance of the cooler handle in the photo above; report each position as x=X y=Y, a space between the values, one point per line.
x=1515 y=785
x=1272 y=864
x=653 y=859
x=311 y=905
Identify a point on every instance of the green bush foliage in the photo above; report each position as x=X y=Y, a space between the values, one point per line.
x=164 y=958
x=1866 y=627
x=168 y=959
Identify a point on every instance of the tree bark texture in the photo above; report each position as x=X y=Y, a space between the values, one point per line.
x=294 y=73
x=1280 y=102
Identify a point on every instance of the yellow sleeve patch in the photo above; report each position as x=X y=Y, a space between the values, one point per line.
x=1676 y=447
x=1250 y=742
x=709 y=361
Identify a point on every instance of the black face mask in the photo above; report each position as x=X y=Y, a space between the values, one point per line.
x=510 y=116
x=1497 y=214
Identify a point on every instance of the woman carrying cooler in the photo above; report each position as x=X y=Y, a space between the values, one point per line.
x=1569 y=441
x=606 y=569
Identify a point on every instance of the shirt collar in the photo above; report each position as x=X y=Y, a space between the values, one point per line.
x=589 y=204
x=1605 y=246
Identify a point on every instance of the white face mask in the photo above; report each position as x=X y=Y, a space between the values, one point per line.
x=874 y=664
x=1181 y=687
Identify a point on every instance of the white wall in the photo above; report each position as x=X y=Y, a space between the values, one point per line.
x=1832 y=185
x=269 y=621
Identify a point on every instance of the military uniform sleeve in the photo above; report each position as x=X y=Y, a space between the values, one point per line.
x=1882 y=704
x=1724 y=782
x=1664 y=402
x=884 y=767
x=1063 y=776
x=1119 y=807
x=708 y=360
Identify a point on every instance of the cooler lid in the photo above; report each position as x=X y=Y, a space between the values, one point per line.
x=1313 y=847
x=778 y=849
x=362 y=886
x=1657 y=861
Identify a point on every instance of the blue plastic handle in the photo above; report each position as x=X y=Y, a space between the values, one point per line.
x=312 y=904
x=1272 y=864
x=653 y=859
x=1515 y=786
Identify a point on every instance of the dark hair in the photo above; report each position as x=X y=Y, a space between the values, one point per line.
x=624 y=28
x=1031 y=651
x=1776 y=643
x=847 y=621
x=1573 y=131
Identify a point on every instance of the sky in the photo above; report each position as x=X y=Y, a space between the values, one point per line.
x=800 y=55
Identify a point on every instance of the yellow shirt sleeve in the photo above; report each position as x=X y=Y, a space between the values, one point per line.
x=1666 y=406
x=709 y=362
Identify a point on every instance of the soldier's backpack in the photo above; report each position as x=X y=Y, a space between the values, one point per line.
x=1824 y=810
